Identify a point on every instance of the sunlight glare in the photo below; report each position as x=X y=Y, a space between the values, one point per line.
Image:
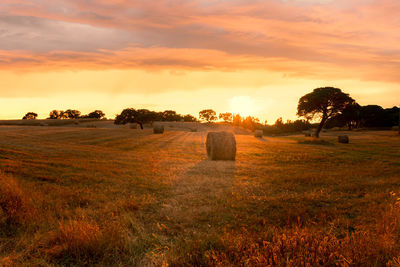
x=243 y=105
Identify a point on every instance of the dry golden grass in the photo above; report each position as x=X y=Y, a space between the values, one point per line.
x=15 y=207
x=111 y=197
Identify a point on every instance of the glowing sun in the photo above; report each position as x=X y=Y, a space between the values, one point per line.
x=243 y=105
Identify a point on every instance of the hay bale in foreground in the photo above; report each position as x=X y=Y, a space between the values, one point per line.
x=158 y=129
x=343 y=139
x=258 y=133
x=221 y=146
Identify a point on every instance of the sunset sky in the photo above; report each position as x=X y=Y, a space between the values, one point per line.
x=192 y=55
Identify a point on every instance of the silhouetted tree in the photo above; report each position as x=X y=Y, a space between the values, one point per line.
x=289 y=126
x=54 y=114
x=128 y=115
x=208 y=115
x=72 y=114
x=237 y=120
x=30 y=116
x=226 y=117
x=97 y=114
x=251 y=123
x=351 y=115
x=325 y=102
x=170 y=115
x=279 y=123
x=189 y=118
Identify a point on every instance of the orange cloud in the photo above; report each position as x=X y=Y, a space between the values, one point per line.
x=310 y=38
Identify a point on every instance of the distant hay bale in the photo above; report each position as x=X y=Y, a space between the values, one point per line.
x=193 y=130
x=43 y=124
x=258 y=133
x=307 y=134
x=221 y=146
x=158 y=129
x=76 y=122
x=343 y=139
x=395 y=128
x=133 y=126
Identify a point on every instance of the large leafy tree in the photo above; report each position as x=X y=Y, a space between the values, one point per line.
x=128 y=115
x=208 y=115
x=30 y=116
x=97 y=114
x=323 y=102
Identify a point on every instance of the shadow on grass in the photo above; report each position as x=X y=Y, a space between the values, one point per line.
x=213 y=168
x=315 y=141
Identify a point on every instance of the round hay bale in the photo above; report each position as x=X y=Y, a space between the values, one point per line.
x=307 y=134
x=221 y=146
x=133 y=126
x=258 y=133
x=193 y=130
x=158 y=129
x=343 y=139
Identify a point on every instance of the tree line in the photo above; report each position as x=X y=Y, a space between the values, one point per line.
x=330 y=105
x=67 y=114
x=142 y=116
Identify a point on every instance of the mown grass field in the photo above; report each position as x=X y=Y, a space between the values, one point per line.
x=121 y=197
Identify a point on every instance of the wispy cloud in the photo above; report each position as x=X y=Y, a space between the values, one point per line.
x=310 y=38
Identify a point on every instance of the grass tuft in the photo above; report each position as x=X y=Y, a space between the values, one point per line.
x=14 y=204
x=83 y=242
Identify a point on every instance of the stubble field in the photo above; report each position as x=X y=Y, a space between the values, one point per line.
x=122 y=197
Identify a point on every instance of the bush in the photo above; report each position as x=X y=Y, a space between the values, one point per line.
x=14 y=204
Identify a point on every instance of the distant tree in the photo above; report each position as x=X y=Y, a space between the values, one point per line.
x=251 y=123
x=63 y=115
x=208 y=115
x=226 y=117
x=170 y=115
x=54 y=114
x=97 y=114
x=30 y=116
x=324 y=102
x=189 y=118
x=279 y=123
x=146 y=116
x=72 y=114
x=351 y=115
x=237 y=120
x=372 y=116
x=128 y=115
